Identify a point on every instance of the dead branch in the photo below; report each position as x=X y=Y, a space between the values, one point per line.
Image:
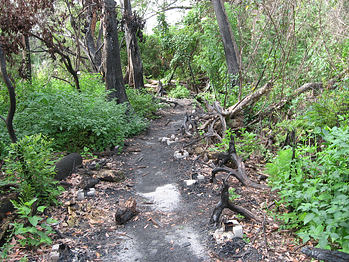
x=316 y=86
x=184 y=125
x=247 y=100
x=325 y=254
x=241 y=174
x=226 y=203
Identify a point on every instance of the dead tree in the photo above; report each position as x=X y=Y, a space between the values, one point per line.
x=133 y=26
x=241 y=174
x=226 y=203
x=112 y=63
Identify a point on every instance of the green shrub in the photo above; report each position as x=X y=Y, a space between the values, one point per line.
x=179 y=92
x=245 y=144
x=327 y=110
x=32 y=235
x=74 y=120
x=142 y=102
x=315 y=188
x=29 y=162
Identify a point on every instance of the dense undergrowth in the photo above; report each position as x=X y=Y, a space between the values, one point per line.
x=311 y=175
x=74 y=120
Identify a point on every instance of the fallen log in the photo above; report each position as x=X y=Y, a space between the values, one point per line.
x=325 y=254
x=247 y=100
x=316 y=86
x=226 y=203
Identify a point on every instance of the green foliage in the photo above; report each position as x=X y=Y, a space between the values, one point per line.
x=315 y=188
x=232 y=194
x=38 y=232
x=179 y=92
x=29 y=162
x=76 y=119
x=327 y=111
x=246 y=143
x=142 y=102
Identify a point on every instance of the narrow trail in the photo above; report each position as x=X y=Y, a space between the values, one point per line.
x=171 y=227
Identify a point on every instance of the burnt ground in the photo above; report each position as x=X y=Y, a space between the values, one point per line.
x=173 y=219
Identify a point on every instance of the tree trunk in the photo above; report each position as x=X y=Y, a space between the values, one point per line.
x=11 y=92
x=134 y=56
x=112 y=63
x=230 y=47
x=92 y=49
x=26 y=68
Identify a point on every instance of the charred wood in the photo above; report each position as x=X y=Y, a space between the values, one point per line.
x=226 y=203
x=325 y=254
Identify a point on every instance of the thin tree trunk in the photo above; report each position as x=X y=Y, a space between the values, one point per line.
x=230 y=47
x=133 y=52
x=112 y=63
x=27 y=59
x=11 y=92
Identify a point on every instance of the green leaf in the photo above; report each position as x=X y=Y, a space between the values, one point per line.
x=34 y=220
x=41 y=208
x=318 y=230
x=308 y=218
x=305 y=237
x=323 y=242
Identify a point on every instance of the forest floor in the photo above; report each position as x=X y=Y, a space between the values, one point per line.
x=173 y=219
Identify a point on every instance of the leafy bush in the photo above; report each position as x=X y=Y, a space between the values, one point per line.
x=31 y=235
x=29 y=162
x=75 y=120
x=327 y=110
x=314 y=187
x=246 y=143
x=179 y=92
x=142 y=102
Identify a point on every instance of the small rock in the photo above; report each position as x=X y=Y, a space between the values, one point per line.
x=88 y=182
x=199 y=150
x=111 y=176
x=238 y=231
x=91 y=193
x=221 y=236
x=66 y=165
x=186 y=244
x=126 y=212
x=190 y=182
x=54 y=257
x=80 y=195
x=200 y=177
x=55 y=248
x=181 y=154
x=169 y=142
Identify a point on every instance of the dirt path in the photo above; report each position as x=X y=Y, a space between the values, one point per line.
x=170 y=229
x=173 y=219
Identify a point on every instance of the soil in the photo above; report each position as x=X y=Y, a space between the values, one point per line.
x=173 y=219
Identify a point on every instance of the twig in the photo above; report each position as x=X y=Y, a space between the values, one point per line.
x=213 y=254
x=265 y=237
